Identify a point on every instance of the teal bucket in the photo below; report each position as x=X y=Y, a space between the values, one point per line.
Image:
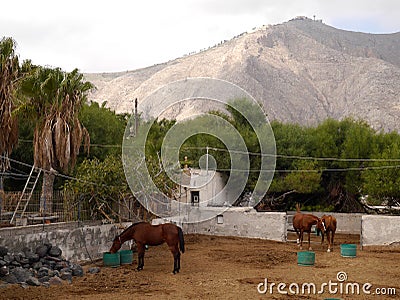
x=305 y=258
x=111 y=259
x=126 y=257
x=348 y=250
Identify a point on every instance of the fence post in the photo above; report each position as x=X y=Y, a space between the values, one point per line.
x=79 y=207
x=1 y=198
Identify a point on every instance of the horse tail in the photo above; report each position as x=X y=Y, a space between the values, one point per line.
x=181 y=240
x=298 y=207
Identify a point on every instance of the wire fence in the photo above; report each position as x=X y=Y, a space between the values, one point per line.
x=65 y=206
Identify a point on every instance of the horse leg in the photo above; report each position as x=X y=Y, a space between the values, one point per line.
x=322 y=237
x=328 y=237
x=333 y=236
x=177 y=255
x=298 y=236
x=301 y=239
x=309 y=242
x=177 y=262
x=140 y=248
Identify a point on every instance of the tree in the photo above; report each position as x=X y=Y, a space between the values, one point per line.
x=53 y=99
x=101 y=186
x=382 y=182
x=9 y=72
x=105 y=127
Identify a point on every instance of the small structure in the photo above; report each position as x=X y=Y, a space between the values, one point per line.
x=203 y=188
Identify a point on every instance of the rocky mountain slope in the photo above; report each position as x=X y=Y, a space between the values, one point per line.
x=303 y=71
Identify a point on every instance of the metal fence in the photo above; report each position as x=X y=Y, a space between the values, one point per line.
x=64 y=208
x=68 y=207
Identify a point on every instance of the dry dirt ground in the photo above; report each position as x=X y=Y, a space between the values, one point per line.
x=231 y=268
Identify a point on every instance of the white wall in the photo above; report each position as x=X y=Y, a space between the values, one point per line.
x=349 y=223
x=380 y=230
x=238 y=221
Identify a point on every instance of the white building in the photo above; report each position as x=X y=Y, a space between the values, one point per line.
x=203 y=188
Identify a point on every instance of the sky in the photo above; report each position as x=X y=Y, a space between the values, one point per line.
x=98 y=36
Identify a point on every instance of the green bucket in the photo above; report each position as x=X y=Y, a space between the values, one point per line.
x=305 y=258
x=126 y=257
x=348 y=250
x=111 y=259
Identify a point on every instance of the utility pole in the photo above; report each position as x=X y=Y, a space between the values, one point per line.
x=136 y=118
x=1 y=197
x=207 y=160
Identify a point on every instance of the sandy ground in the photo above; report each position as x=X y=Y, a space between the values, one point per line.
x=232 y=268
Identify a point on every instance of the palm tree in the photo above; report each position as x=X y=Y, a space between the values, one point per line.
x=54 y=99
x=9 y=71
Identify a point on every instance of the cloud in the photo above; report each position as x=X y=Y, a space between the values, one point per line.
x=120 y=35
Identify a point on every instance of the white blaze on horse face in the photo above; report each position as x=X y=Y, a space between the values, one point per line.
x=323 y=225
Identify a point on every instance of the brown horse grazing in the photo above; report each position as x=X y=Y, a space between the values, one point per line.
x=329 y=226
x=153 y=235
x=303 y=223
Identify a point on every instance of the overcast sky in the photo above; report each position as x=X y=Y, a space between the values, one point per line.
x=120 y=35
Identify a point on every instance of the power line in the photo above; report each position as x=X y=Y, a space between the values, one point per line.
x=91 y=145
x=292 y=156
x=311 y=170
x=56 y=174
x=263 y=154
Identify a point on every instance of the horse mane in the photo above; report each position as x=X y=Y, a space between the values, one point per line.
x=298 y=207
x=129 y=228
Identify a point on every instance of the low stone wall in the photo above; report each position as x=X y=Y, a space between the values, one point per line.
x=80 y=242
x=77 y=241
x=380 y=230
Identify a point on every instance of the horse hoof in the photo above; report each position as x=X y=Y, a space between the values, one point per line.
x=309 y=249
x=329 y=250
x=298 y=241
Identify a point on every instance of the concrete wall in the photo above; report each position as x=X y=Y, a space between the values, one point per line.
x=243 y=222
x=78 y=242
x=81 y=242
x=346 y=223
x=380 y=230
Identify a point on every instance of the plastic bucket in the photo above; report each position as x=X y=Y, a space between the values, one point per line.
x=348 y=250
x=305 y=258
x=126 y=257
x=111 y=259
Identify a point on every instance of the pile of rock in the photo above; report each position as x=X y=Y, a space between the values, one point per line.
x=44 y=266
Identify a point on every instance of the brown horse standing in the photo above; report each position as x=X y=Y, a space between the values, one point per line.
x=329 y=226
x=153 y=235
x=303 y=223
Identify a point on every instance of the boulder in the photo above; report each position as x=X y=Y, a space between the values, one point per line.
x=55 y=251
x=3 y=251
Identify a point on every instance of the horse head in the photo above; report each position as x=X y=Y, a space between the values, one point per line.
x=321 y=226
x=116 y=244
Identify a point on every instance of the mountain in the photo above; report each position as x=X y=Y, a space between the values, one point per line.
x=303 y=71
